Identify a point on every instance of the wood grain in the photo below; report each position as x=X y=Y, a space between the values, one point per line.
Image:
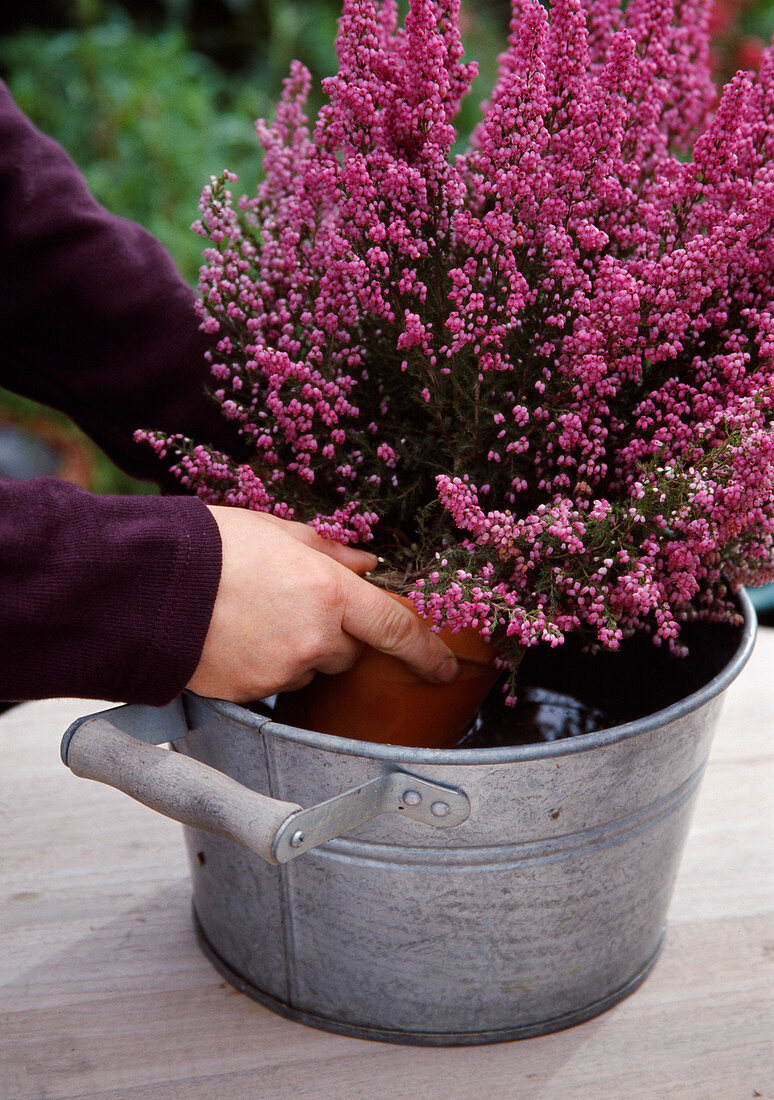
x=104 y=993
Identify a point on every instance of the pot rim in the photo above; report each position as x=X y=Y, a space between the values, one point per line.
x=509 y=754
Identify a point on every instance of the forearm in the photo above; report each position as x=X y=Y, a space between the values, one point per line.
x=102 y=597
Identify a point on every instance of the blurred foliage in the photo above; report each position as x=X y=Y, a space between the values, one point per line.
x=106 y=477
x=741 y=29
x=757 y=18
x=145 y=119
x=151 y=97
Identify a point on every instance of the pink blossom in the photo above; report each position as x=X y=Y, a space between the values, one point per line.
x=548 y=362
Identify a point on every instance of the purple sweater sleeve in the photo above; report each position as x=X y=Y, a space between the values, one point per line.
x=102 y=597
x=99 y=597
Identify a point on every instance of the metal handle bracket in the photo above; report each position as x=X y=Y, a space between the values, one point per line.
x=396 y=793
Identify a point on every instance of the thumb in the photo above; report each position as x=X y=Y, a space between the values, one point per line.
x=371 y=616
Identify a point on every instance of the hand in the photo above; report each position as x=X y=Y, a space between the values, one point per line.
x=291 y=603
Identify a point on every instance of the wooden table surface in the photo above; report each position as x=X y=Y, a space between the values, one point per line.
x=104 y=993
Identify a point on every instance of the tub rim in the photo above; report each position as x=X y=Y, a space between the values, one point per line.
x=406 y=755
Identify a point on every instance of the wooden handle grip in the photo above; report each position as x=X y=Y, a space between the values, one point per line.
x=177 y=786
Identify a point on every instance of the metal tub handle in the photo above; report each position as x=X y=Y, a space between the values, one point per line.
x=121 y=747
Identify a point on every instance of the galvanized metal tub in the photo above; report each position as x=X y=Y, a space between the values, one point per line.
x=542 y=909
x=537 y=901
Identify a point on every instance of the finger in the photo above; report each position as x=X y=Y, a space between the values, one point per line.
x=358 y=561
x=374 y=618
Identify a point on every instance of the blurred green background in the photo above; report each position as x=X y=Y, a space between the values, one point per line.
x=151 y=97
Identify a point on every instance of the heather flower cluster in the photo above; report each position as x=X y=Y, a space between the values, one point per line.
x=535 y=377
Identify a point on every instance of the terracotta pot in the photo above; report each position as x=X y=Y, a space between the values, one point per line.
x=380 y=699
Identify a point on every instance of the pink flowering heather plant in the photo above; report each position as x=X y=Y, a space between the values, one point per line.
x=536 y=377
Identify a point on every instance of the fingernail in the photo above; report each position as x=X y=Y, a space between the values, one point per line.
x=448 y=670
